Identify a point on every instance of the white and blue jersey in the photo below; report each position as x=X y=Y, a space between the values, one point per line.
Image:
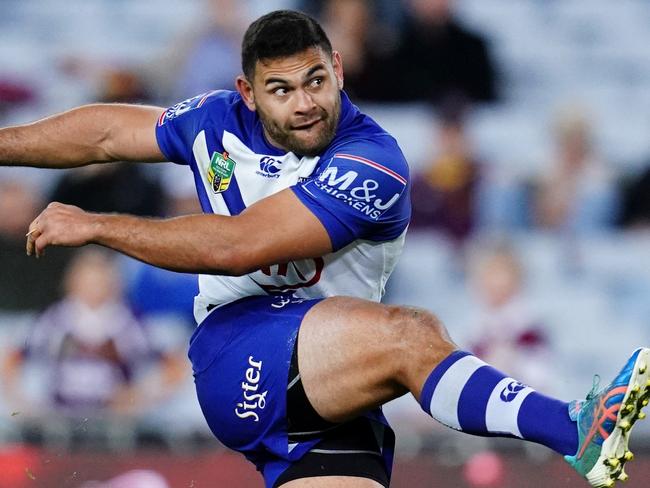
x=241 y=352
x=358 y=188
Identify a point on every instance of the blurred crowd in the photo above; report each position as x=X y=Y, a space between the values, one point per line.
x=508 y=255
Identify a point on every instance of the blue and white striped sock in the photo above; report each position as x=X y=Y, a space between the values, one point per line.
x=466 y=394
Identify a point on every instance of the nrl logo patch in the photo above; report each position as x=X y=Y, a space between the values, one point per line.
x=220 y=171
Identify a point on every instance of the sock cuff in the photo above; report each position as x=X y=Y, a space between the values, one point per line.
x=435 y=376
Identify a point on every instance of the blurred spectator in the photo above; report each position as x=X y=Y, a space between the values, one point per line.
x=158 y=294
x=122 y=85
x=14 y=93
x=26 y=284
x=155 y=294
x=443 y=194
x=93 y=348
x=114 y=83
x=364 y=41
x=116 y=187
x=507 y=334
x=207 y=57
x=387 y=12
x=104 y=80
x=635 y=212
x=438 y=57
x=510 y=336
x=204 y=58
x=578 y=193
x=503 y=200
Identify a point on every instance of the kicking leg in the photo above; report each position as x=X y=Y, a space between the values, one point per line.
x=355 y=355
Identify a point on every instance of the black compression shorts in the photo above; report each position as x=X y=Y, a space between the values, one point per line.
x=348 y=449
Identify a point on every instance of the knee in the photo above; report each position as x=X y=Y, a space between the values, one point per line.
x=421 y=342
x=420 y=334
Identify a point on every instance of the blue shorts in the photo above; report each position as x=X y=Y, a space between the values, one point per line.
x=240 y=357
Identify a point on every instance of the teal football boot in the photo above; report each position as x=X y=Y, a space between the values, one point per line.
x=605 y=420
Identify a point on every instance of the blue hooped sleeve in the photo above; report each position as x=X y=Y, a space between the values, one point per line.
x=360 y=191
x=178 y=126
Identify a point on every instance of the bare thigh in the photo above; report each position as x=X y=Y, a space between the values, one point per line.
x=355 y=355
x=332 y=482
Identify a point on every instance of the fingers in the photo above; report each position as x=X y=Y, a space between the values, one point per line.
x=39 y=245
x=36 y=243
x=32 y=235
x=57 y=225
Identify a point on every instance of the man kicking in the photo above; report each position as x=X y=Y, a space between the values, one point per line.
x=306 y=205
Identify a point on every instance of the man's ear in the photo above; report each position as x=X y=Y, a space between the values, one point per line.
x=245 y=89
x=337 y=64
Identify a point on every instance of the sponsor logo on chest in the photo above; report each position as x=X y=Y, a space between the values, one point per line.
x=359 y=192
x=253 y=399
x=269 y=167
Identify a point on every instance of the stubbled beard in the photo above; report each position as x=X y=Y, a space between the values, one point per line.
x=286 y=138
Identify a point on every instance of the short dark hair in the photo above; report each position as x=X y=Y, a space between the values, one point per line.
x=279 y=34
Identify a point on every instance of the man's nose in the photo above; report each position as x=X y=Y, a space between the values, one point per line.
x=304 y=102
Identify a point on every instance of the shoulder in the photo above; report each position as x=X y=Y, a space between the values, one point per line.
x=214 y=106
x=362 y=143
x=359 y=189
x=369 y=176
x=210 y=113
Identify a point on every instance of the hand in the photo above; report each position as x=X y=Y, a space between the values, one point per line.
x=60 y=225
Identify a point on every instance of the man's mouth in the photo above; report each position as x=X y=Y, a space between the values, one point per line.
x=307 y=125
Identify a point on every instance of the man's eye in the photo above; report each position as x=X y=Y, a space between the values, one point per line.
x=280 y=92
x=316 y=82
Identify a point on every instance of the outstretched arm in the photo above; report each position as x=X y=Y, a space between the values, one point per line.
x=275 y=230
x=92 y=133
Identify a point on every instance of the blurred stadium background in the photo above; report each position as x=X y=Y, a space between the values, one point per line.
x=526 y=124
